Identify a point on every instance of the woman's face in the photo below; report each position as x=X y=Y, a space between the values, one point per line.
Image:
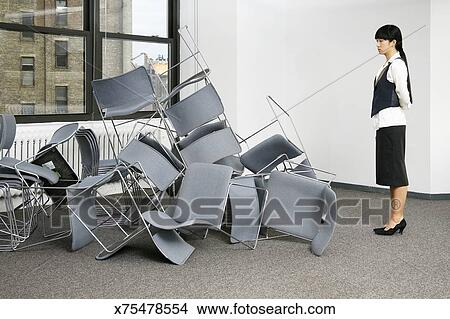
x=385 y=46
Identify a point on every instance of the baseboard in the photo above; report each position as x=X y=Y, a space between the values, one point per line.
x=373 y=189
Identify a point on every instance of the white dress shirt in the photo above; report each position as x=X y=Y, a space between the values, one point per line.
x=398 y=74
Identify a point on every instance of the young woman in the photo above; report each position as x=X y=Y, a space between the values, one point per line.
x=392 y=96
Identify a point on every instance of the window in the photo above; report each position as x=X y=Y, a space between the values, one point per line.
x=135 y=33
x=61 y=54
x=140 y=17
x=61 y=13
x=27 y=71
x=75 y=42
x=28 y=19
x=61 y=99
x=28 y=108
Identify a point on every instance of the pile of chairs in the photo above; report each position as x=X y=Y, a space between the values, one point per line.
x=169 y=190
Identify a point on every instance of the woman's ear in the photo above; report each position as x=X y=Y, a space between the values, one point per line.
x=394 y=42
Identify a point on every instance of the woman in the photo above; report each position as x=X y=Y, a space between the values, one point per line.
x=392 y=96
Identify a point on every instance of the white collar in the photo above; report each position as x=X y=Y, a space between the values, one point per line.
x=395 y=56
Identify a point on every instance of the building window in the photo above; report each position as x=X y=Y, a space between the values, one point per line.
x=28 y=20
x=61 y=54
x=27 y=71
x=61 y=13
x=28 y=108
x=61 y=100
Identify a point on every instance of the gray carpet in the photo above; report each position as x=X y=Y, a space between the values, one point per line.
x=357 y=264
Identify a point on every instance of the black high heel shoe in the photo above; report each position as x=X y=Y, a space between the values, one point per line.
x=391 y=231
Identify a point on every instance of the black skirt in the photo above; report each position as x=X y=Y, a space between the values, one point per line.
x=390 y=156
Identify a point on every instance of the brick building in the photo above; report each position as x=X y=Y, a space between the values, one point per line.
x=45 y=74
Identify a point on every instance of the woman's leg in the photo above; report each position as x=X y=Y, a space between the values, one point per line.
x=398 y=201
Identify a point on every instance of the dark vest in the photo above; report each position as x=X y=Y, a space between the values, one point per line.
x=384 y=94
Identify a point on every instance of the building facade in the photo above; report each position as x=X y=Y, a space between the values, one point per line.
x=45 y=74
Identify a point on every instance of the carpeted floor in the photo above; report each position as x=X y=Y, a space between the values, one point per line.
x=357 y=264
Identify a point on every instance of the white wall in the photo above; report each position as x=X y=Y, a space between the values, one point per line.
x=439 y=106
x=291 y=49
x=213 y=25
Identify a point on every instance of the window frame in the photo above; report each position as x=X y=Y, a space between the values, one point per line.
x=93 y=41
x=28 y=104
x=66 y=87
x=22 y=57
x=66 y=55
x=59 y=14
x=24 y=15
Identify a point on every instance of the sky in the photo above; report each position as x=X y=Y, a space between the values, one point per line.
x=149 y=20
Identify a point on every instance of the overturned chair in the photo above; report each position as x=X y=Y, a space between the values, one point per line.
x=301 y=207
x=137 y=162
x=203 y=184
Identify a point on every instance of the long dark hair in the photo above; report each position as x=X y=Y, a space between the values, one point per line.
x=391 y=32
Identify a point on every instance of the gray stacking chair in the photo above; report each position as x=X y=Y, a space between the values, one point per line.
x=268 y=154
x=209 y=182
x=144 y=163
x=82 y=205
x=197 y=125
x=32 y=178
x=123 y=95
x=203 y=134
x=91 y=164
x=302 y=207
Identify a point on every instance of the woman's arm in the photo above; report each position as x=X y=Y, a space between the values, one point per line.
x=399 y=74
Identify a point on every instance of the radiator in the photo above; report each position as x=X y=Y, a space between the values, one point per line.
x=31 y=137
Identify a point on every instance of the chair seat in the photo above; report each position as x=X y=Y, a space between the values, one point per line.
x=265 y=156
x=162 y=221
x=26 y=167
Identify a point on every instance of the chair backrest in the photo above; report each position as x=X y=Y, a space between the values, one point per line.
x=295 y=204
x=63 y=134
x=195 y=110
x=211 y=148
x=161 y=149
x=200 y=132
x=145 y=158
x=7 y=131
x=268 y=154
x=89 y=151
x=124 y=94
x=203 y=193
